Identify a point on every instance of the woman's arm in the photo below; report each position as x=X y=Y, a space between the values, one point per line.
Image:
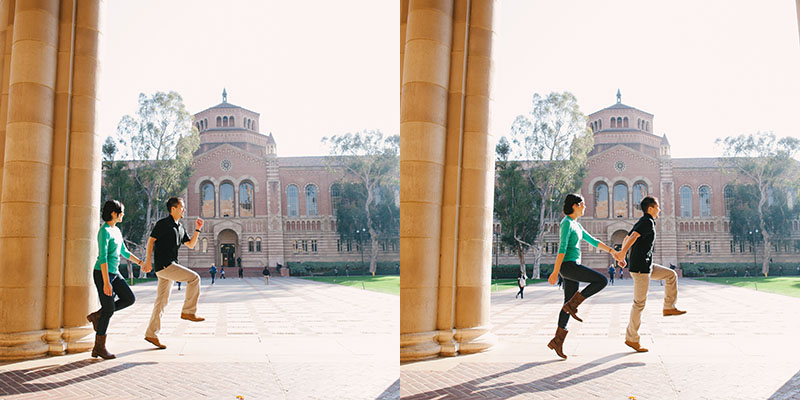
x=556 y=269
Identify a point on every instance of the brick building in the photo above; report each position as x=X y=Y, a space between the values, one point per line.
x=261 y=207
x=628 y=162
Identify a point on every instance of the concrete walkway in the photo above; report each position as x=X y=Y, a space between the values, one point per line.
x=294 y=339
x=733 y=343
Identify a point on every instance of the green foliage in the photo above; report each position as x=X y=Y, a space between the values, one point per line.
x=744 y=212
x=516 y=204
x=371 y=161
x=554 y=140
x=735 y=269
x=327 y=268
x=511 y=271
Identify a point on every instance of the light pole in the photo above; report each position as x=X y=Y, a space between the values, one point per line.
x=753 y=243
x=361 y=245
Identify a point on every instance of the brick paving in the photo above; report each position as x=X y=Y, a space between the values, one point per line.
x=294 y=339
x=733 y=343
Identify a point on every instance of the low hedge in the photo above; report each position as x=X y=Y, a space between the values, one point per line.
x=736 y=269
x=326 y=268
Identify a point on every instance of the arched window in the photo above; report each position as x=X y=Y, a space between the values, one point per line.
x=311 y=200
x=620 y=200
x=219 y=122
x=258 y=244
x=205 y=123
x=291 y=201
x=727 y=193
x=250 y=245
x=639 y=193
x=205 y=245
x=207 y=204
x=601 y=201
x=686 y=201
x=613 y=122
x=246 y=200
x=335 y=198
x=254 y=126
x=638 y=123
x=226 y=200
x=625 y=122
x=225 y=121
x=647 y=126
x=704 y=197
x=619 y=122
x=231 y=122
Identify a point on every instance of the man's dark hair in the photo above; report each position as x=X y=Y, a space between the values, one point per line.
x=173 y=202
x=112 y=206
x=570 y=201
x=647 y=202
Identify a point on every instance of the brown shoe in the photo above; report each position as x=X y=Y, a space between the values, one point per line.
x=99 y=349
x=635 y=346
x=155 y=342
x=93 y=318
x=558 y=341
x=192 y=317
x=672 y=311
x=571 y=306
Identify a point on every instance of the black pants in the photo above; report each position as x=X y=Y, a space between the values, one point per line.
x=520 y=292
x=119 y=288
x=213 y=276
x=572 y=273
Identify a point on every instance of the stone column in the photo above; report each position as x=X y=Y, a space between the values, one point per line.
x=447 y=179
x=51 y=175
x=423 y=112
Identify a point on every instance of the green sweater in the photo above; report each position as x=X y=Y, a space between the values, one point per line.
x=571 y=234
x=110 y=246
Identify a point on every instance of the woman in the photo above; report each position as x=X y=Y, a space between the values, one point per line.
x=106 y=275
x=568 y=267
x=521 y=283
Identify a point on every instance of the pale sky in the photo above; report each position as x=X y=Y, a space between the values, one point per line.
x=310 y=68
x=705 y=69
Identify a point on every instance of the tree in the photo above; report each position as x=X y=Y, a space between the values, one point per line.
x=515 y=204
x=765 y=162
x=161 y=140
x=554 y=139
x=371 y=160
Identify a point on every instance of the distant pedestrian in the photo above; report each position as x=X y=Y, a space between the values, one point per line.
x=213 y=272
x=397 y=269
x=266 y=274
x=611 y=272
x=621 y=273
x=221 y=272
x=521 y=282
x=335 y=271
x=179 y=285
x=780 y=270
x=347 y=270
x=798 y=269
x=241 y=272
x=747 y=271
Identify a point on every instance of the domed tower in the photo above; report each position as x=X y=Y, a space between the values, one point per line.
x=623 y=124
x=229 y=123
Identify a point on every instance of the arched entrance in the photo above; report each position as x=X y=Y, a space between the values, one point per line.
x=616 y=243
x=228 y=246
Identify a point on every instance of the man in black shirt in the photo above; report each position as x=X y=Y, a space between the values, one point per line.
x=167 y=236
x=640 y=240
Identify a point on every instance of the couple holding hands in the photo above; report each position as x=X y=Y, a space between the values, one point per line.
x=640 y=240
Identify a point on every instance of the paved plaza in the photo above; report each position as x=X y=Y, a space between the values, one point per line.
x=294 y=339
x=733 y=343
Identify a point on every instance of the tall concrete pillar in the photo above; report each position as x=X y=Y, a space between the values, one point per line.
x=51 y=177
x=447 y=178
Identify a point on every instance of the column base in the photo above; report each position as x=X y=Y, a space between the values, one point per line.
x=55 y=346
x=22 y=345
x=449 y=346
x=78 y=339
x=419 y=346
x=475 y=340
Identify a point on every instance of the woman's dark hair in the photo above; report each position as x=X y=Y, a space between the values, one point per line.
x=570 y=201
x=112 y=206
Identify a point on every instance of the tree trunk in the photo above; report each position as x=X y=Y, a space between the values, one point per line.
x=146 y=233
x=521 y=255
x=537 y=249
x=764 y=233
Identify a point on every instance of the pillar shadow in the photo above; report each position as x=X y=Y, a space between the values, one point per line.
x=503 y=390
x=789 y=390
x=392 y=392
x=19 y=381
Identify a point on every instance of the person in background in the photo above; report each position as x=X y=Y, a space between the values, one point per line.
x=521 y=282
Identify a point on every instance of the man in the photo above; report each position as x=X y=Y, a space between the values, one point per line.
x=611 y=271
x=167 y=236
x=213 y=272
x=266 y=274
x=642 y=270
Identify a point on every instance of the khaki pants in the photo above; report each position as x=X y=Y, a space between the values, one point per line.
x=166 y=277
x=641 y=283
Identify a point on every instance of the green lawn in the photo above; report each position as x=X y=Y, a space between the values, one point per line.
x=381 y=283
x=504 y=284
x=785 y=285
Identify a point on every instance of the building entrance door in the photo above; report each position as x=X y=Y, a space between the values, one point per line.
x=228 y=252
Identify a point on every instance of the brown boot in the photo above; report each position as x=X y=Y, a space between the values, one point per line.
x=558 y=341
x=672 y=311
x=93 y=318
x=100 y=348
x=571 y=306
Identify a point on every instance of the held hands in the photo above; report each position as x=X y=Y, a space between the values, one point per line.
x=147 y=266
x=198 y=224
x=620 y=257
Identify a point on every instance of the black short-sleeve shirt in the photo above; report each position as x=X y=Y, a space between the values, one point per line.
x=641 y=258
x=169 y=236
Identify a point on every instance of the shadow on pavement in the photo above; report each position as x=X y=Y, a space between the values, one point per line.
x=392 y=392
x=503 y=390
x=789 y=390
x=18 y=381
